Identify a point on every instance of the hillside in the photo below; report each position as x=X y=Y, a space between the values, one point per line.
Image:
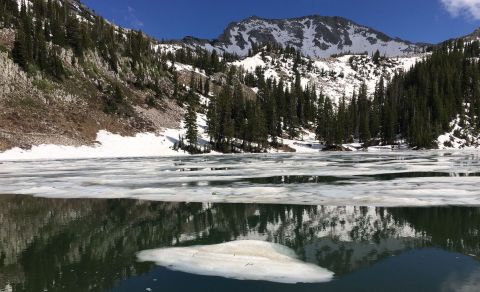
x=68 y=73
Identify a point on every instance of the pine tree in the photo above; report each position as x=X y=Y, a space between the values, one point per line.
x=376 y=58
x=191 y=126
x=175 y=84
x=212 y=120
x=206 y=87
x=376 y=109
x=226 y=127
x=364 y=115
x=341 y=122
x=389 y=116
x=238 y=109
x=261 y=133
x=19 y=51
x=329 y=122
x=320 y=119
x=73 y=35
x=298 y=100
x=354 y=116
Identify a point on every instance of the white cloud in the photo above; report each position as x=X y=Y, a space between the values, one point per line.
x=466 y=7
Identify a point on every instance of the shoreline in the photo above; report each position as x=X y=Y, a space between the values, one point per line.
x=151 y=145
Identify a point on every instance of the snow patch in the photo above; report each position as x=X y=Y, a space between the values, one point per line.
x=250 y=64
x=461 y=136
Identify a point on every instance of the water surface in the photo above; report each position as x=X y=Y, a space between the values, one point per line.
x=373 y=179
x=91 y=245
x=397 y=221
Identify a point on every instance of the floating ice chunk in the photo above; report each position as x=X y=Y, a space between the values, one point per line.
x=242 y=260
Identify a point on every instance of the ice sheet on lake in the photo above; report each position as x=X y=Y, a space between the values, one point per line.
x=242 y=260
x=338 y=179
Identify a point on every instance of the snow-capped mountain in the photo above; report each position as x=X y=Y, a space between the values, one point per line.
x=313 y=36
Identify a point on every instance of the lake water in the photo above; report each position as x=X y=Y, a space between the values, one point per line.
x=370 y=179
x=377 y=221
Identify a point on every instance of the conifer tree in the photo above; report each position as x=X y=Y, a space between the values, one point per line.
x=191 y=126
x=329 y=122
x=206 y=87
x=363 y=112
x=73 y=35
x=320 y=119
x=341 y=122
x=376 y=109
x=376 y=57
x=19 y=51
x=212 y=120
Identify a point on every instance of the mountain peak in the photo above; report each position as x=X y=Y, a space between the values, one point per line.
x=475 y=35
x=314 y=36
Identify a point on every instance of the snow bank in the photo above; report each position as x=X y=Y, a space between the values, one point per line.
x=242 y=260
x=109 y=145
x=306 y=143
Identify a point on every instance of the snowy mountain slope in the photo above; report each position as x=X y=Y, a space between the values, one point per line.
x=474 y=36
x=314 y=36
x=334 y=76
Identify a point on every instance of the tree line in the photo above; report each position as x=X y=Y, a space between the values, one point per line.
x=413 y=107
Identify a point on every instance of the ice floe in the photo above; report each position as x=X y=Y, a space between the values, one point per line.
x=242 y=260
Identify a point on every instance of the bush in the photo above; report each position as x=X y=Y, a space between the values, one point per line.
x=151 y=101
x=115 y=103
x=43 y=85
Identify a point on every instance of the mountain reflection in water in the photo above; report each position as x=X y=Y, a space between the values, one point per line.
x=90 y=245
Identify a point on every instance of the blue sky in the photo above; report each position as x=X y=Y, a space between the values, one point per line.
x=415 y=20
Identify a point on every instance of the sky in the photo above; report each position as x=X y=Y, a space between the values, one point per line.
x=429 y=21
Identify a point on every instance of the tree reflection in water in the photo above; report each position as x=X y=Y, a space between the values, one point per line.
x=89 y=245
